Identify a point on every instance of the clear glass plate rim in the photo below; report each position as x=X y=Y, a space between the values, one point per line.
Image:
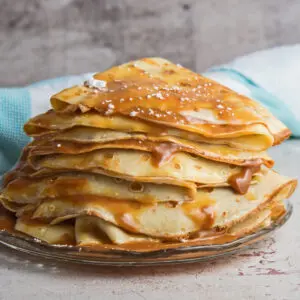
x=132 y=258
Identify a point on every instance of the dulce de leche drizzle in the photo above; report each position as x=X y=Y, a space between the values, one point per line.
x=163 y=94
x=240 y=182
x=163 y=152
x=7 y=220
x=201 y=211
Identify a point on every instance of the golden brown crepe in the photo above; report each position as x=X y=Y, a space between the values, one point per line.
x=219 y=208
x=31 y=190
x=155 y=90
x=247 y=137
x=81 y=140
x=147 y=153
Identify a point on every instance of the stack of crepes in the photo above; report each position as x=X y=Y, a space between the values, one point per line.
x=147 y=153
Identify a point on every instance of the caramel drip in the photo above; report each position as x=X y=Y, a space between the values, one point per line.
x=277 y=210
x=201 y=211
x=240 y=182
x=163 y=153
x=128 y=222
x=7 y=220
x=66 y=239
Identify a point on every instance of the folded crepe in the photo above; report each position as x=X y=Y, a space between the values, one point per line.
x=147 y=155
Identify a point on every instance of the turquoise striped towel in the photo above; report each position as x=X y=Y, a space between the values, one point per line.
x=270 y=77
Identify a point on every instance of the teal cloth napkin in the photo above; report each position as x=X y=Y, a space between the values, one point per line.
x=14 y=111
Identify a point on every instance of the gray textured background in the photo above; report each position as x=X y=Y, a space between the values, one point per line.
x=47 y=38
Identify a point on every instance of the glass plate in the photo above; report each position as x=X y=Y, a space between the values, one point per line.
x=181 y=254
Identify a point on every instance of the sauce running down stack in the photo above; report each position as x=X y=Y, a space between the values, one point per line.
x=147 y=155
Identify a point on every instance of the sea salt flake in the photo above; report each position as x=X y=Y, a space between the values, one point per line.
x=92 y=82
x=108 y=112
x=133 y=113
x=159 y=95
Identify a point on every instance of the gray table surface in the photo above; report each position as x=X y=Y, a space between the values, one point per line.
x=268 y=270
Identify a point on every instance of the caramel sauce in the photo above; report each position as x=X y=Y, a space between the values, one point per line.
x=20 y=184
x=130 y=91
x=66 y=239
x=128 y=222
x=208 y=189
x=250 y=196
x=201 y=211
x=240 y=182
x=125 y=212
x=27 y=218
x=9 y=177
x=277 y=210
x=7 y=220
x=62 y=186
x=163 y=152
